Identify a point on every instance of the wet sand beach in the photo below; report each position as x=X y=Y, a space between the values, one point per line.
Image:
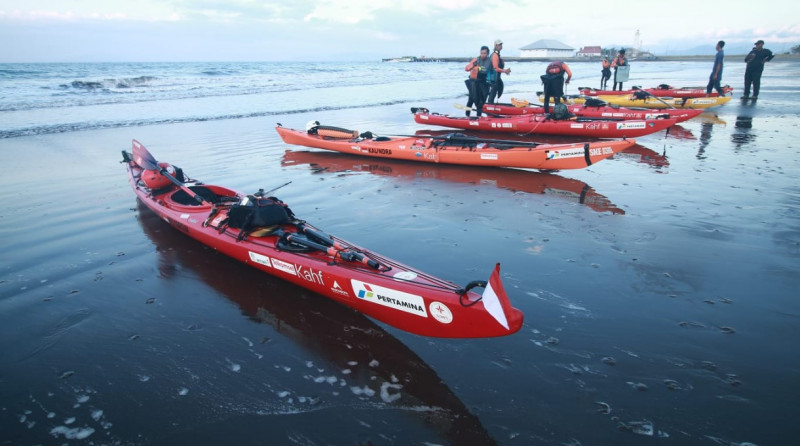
x=659 y=287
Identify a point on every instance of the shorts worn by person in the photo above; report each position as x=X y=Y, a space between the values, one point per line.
x=755 y=60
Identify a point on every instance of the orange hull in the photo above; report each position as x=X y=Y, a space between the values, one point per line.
x=465 y=150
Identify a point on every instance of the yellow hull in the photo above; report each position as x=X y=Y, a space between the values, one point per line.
x=651 y=102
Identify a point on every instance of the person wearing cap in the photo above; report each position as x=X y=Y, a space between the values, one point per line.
x=619 y=61
x=716 y=72
x=755 y=60
x=493 y=76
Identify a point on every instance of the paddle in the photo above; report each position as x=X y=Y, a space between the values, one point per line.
x=340 y=249
x=520 y=103
x=460 y=137
x=324 y=243
x=143 y=158
x=651 y=94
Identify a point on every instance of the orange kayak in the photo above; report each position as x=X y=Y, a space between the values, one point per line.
x=457 y=148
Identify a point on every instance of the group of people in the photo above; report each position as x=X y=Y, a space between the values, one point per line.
x=755 y=61
x=619 y=61
x=484 y=83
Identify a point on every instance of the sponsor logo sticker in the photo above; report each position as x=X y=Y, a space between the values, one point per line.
x=567 y=153
x=387 y=297
x=488 y=156
x=286 y=267
x=336 y=288
x=440 y=312
x=259 y=258
x=631 y=125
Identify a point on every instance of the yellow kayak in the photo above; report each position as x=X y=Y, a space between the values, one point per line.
x=651 y=102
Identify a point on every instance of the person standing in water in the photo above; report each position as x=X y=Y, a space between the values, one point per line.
x=606 y=73
x=553 y=81
x=619 y=61
x=498 y=68
x=716 y=72
x=476 y=83
x=755 y=66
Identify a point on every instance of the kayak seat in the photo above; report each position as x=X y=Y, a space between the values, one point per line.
x=181 y=197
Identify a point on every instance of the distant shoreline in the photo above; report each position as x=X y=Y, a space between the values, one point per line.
x=592 y=59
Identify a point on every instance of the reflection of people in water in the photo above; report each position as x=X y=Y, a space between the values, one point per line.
x=705 y=137
x=742 y=135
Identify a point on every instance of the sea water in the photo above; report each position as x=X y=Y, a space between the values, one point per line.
x=659 y=287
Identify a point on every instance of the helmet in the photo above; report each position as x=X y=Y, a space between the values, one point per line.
x=154 y=179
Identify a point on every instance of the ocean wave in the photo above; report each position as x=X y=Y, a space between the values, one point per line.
x=109 y=84
x=98 y=125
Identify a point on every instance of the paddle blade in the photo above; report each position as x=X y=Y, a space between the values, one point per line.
x=519 y=103
x=495 y=299
x=143 y=158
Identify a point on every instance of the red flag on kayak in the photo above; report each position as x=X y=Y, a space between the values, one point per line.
x=495 y=299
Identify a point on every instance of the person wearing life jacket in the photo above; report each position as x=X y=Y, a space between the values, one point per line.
x=606 y=73
x=493 y=76
x=553 y=81
x=476 y=83
x=619 y=61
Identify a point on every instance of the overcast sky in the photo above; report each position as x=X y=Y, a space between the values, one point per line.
x=354 y=30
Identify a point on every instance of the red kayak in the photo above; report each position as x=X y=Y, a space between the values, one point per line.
x=596 y=111
x=660 y=91
x=263 y=232
x=456 y=148
x=542 y=125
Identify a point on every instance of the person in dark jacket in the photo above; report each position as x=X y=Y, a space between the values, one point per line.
x=716 y=72
x=755 y=66
x=553 y=81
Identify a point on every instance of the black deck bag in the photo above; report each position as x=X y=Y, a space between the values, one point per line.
x=560 y=112
x=254 y=212
x=594 y=102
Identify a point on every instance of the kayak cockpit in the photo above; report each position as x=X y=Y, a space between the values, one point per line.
x=211 y=194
